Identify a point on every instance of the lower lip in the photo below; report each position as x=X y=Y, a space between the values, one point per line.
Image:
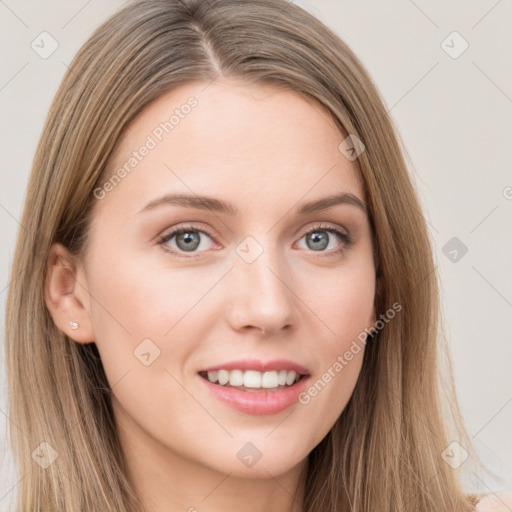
x=257 y=402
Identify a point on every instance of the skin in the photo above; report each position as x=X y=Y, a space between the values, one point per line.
x=266 y=150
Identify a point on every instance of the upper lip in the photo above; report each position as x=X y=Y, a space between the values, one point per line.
x=261 y=366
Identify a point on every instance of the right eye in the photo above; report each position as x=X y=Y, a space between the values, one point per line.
x=188 y=239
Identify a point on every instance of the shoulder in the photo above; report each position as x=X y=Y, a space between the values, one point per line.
x=495 y=502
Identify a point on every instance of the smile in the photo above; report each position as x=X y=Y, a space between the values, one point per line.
x=253 y=380
x=256 y=387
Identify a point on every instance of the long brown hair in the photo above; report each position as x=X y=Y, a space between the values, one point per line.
x=385 y=450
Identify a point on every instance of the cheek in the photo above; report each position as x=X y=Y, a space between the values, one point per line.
x=349 y=312
x=145 y=313
x=142 y=299
x=345 y=306
x=343 y=298
x=141 y=322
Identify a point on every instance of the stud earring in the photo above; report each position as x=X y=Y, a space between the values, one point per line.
x=74 y=325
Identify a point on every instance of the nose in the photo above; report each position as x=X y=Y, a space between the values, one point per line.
x=261 y=295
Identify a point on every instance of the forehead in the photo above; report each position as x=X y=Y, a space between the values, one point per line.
x=248 y=142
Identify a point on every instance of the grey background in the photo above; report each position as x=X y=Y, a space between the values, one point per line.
x=454 y=116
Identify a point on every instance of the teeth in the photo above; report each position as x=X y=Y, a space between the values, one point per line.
x=269 y=380
x=236 y=378
x=290 y=378
x=223 y=376
x=254 y=379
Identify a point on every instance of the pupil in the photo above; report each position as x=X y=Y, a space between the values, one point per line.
x=319 y=237
x=188 y=238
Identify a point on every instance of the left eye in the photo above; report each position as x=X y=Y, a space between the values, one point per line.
x=318 y=238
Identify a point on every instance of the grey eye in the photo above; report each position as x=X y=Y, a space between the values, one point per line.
x=186 y=239
x=319 y=240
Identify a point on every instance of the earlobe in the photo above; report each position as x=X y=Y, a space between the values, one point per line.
x=64 y=295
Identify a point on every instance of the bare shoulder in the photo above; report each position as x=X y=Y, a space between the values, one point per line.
x=496 y=502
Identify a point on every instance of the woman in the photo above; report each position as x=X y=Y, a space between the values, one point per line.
x=226 y=296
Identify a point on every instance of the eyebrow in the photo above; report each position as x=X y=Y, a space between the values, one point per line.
x=217 y=205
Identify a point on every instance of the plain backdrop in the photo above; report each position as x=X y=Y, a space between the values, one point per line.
x=453 y=108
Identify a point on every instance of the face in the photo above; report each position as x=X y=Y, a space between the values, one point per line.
x=257 y=283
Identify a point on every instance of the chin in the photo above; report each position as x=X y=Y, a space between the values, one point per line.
x=259 y=459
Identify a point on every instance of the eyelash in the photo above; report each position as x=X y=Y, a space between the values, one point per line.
x=347 y=240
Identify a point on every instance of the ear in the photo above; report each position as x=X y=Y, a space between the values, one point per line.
x=66 y=295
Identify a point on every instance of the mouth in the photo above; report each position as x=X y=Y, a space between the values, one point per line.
x=252 y=380
x=256 y=387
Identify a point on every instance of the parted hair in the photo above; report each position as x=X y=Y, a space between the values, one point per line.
x=384 y=453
